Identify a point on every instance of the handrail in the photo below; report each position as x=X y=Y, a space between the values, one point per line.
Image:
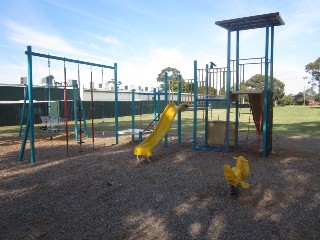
x=156 y=119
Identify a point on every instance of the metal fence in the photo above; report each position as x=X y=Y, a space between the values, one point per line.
x=11 y=113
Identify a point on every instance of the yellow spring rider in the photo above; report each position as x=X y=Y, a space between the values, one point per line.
x=236 y=175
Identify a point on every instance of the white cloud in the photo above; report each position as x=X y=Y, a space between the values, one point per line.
x=144 y=71
x=28 y=36
x=303 y=20
x=9 y=70
x=106 y=39
x=292 y=77
x=46 y=43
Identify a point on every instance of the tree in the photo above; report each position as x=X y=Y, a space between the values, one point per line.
x=317 y=97
x=173 y=74
x=313 y=68
x=286 y=100
x=300 y=98
x=187 y=87
x=211 y=91
x=257 y=83
x=310 y=92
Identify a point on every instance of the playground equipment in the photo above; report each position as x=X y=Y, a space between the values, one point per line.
x=237 y=174
x=162 y=122
x=161 y=130
x=52 y=123
x=156 y=108
x=79 y=116
x=213 y=86
x=30 y=118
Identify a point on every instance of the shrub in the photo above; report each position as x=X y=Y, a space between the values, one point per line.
x=285 y=100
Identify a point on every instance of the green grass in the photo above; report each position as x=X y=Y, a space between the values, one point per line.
x=289 y=120
x=297 y=121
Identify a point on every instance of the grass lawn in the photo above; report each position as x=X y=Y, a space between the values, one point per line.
x=289 y=120
x=297 y=121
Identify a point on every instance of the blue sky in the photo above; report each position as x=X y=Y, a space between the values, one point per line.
x=143 y=37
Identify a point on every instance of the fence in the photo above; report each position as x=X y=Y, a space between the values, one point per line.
x=11 y=112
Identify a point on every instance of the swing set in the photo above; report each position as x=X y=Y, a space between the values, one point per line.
x=78 y=108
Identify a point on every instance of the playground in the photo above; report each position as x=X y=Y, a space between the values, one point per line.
x=164 y=176
x=181 y=194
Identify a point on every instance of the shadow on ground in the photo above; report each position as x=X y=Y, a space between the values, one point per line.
x=181 y=194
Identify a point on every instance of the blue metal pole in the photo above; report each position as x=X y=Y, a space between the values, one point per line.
x=30 y=123
x=67 y=59
x=84 y=119
x=271 y=58
x=237 y=89
x=228 y=90
x=265 y=95
x=195 y=92
x=49 y=95
x=270 y=112
x=140 y=136
x=75 y=108
x=179 y=113
x=24 y=140
x=154 y=103
x=23 y=109
x=166 y=88
x=206 y=110
x=116 y=104
x=166 y=101
x=159 y=103
x=132 y=113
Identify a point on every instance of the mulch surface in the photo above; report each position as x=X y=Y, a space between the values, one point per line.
x=101 y=191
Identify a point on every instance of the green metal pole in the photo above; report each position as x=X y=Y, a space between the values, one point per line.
x=132 y=113
x=265 y=95
x=195 y=92
x=84 y=119
x=270 y=112
x=68 y=60
x=159 y=102
x=116 y=104
x=166 y=88
x=228 y=90
x=92 y=110
x=271 y=58
x=179 y=113
x=75 y=108
x=31 y=110
x=24 y=140
x=23 y=109
x=154 y=103
x=166 y=101
x=30 y=120
x=237 y=89
x=206 y=110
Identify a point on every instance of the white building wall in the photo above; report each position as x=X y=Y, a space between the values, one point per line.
x=105 y=95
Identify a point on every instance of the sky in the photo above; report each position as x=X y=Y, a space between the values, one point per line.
x=145 y=36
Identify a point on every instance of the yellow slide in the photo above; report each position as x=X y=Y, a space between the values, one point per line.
x=146 y=147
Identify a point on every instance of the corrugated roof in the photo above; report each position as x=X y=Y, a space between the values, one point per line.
x=252 y=22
